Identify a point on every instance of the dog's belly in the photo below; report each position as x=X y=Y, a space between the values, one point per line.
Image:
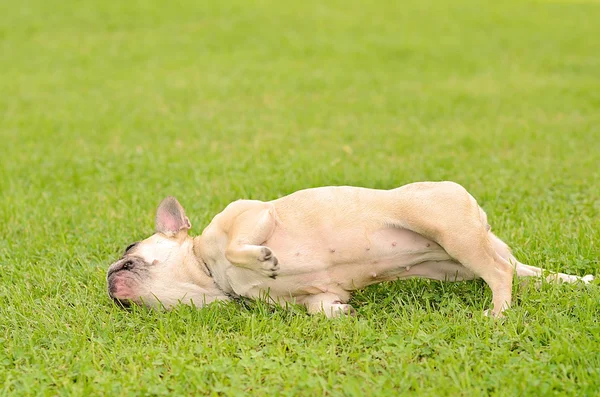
x=343 y=261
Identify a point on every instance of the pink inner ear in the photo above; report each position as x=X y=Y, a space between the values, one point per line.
x=170 y=217
x=171 y=224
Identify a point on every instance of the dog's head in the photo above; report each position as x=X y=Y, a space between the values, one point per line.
x=162 y=270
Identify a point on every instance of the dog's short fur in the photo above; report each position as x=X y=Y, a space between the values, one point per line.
x=315 y=246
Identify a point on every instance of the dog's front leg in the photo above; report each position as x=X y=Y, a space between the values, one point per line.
x=250 y=229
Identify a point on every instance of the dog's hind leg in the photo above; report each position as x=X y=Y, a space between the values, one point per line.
x=448 y=214
x=475 y=252
x=439 y=270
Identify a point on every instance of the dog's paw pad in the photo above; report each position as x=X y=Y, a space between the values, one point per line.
x=265 y=254
x=342 y=309
x=269 y=264
x=349 y=311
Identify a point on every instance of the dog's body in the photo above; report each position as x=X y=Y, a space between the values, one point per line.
x=315 y=246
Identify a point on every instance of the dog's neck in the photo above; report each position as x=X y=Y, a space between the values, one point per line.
x=199 y=273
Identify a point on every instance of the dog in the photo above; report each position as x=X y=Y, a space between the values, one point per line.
x=315 y=246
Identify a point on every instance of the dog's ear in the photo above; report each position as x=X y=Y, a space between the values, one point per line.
x=170 y=217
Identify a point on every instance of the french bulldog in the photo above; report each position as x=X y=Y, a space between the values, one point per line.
x=315 y=246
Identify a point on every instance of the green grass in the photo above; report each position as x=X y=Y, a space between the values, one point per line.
x=106 y=107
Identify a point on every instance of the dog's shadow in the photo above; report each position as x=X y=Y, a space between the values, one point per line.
x=405 y=296
x=419 y=295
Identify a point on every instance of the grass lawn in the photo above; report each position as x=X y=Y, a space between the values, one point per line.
x=106 y=107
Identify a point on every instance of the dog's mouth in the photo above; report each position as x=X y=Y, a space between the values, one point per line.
x=122 y=303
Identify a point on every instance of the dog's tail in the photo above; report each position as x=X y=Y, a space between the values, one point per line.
x=523 y=270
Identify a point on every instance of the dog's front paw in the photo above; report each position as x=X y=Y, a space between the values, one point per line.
x=269 y=265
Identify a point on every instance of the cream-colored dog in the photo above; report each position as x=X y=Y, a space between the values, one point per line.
x=315 y=246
